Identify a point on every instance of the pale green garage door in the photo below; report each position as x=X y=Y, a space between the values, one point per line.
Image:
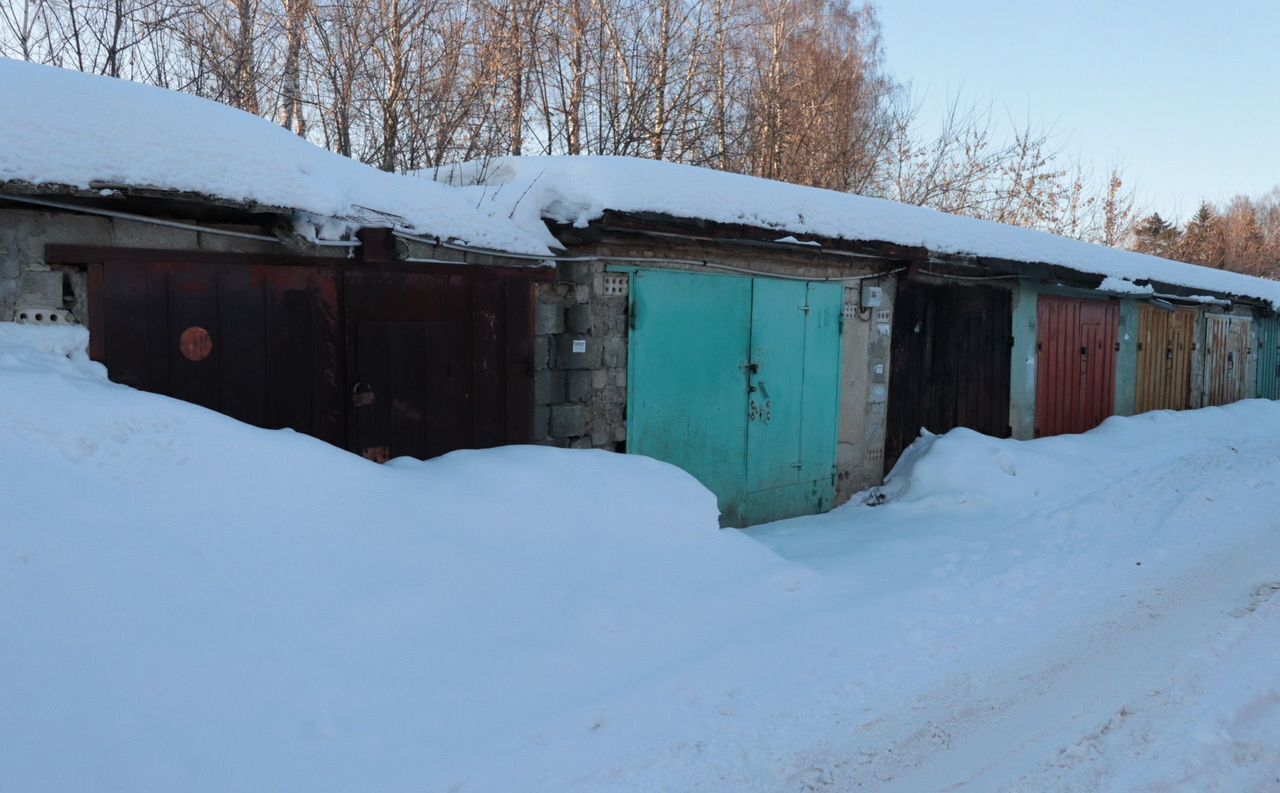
x=736 y=380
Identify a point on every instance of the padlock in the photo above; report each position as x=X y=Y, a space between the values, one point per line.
x=362 y=395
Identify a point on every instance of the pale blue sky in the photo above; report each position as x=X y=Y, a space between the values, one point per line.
x=1186 y=95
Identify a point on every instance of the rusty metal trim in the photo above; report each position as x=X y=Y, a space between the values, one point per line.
x=81 y=255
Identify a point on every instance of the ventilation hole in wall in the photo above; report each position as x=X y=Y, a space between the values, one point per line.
x=615 y=284
x=23 y=315
x=68 y=291
x=53 y=317
x=39 y=317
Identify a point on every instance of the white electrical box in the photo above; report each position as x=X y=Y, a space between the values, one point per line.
x=872 y=296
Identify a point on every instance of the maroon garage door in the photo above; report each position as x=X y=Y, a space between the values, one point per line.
x=1076 y=364
x=384 y=361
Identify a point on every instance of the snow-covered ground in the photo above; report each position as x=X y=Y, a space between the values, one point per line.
x=191 y=604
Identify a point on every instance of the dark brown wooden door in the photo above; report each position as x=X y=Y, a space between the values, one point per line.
x=378 y=361
x=440 y=362
x=1075 y=363
x=949 y=362
x=261 y=343
x=405 y=377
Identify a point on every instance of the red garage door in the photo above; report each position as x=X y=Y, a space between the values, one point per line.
x=1076 y=364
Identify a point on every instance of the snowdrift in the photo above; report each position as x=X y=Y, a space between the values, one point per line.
x=964 y=464
x=191 y=604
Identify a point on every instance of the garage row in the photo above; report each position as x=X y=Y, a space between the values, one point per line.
x=782 y=344
x=783 y=395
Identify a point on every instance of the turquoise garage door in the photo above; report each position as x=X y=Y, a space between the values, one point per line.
x=736 y=380
x=1268 y=357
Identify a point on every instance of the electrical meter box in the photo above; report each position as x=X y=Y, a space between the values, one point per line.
x=872 y=296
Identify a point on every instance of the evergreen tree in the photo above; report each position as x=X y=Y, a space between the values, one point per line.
x=1155 y=235
x=1202 y=241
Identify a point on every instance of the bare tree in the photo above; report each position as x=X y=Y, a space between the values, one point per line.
x=786 y=89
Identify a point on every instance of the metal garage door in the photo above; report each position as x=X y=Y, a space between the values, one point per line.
x=1075 y=363
x=384 y=362
x=1165 y=340
x=261 y=344
x=736 y=380
x=1228 y=347
x=950 y=362
x=1268 y=357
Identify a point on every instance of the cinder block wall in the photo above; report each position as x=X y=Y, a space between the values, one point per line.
x=29 y=285
x=864 y=394
x=580 y=361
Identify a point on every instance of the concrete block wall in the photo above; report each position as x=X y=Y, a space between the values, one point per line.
x=30 y=286
x=1126 y=399
x=864 y=390
x=1022 y=361
x=580 y=361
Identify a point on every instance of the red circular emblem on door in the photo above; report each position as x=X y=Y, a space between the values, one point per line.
x=195 y=343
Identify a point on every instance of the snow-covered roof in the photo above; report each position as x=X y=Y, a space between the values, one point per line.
x=578 y=190
x=65 y=128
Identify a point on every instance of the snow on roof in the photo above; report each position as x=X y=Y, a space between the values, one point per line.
x=60 y=127
x=579 y=189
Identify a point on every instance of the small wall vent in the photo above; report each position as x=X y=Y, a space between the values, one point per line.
x=44 y=316
x=615 y=284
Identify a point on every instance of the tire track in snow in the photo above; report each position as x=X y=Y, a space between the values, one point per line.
x=993 y=733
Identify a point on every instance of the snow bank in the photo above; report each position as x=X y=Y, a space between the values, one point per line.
x=191 y=604
x=70 y=342
x=579 y=189
x=1080 y=612
x=62 y=127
